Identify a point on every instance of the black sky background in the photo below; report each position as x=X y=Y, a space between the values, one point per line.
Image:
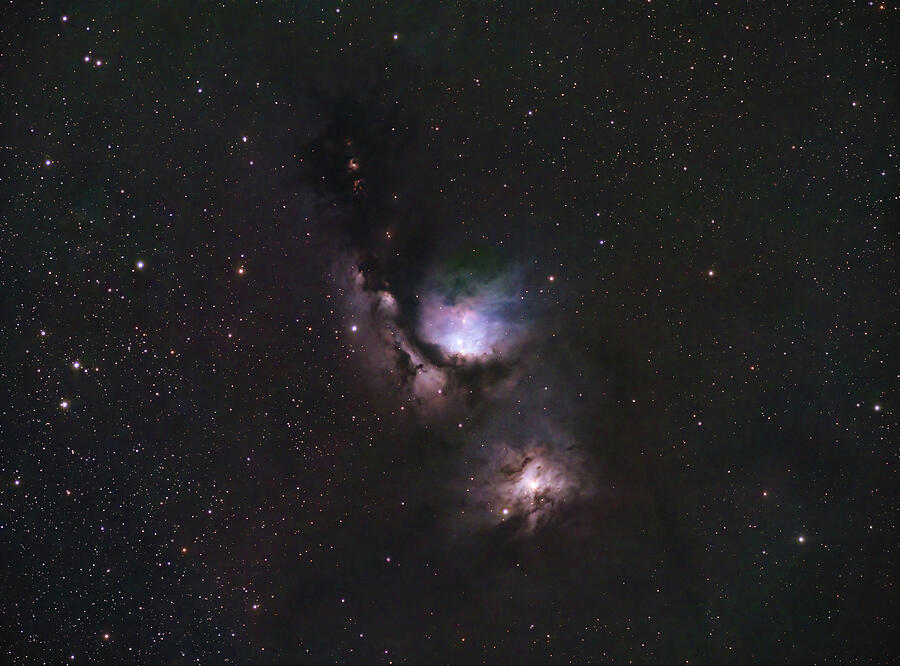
x=713 y=190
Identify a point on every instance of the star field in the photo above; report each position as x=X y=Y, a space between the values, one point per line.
x=448 y=333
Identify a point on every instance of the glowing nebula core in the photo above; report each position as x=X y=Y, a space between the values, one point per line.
x=532 y=483
x=525 y=487
x=484 y=324
x=462 y=329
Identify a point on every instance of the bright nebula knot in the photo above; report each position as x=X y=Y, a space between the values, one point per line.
x=471 y=317
x=530 y=486
x=468 y=329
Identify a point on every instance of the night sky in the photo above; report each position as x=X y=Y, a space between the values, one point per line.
x=448 y=333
